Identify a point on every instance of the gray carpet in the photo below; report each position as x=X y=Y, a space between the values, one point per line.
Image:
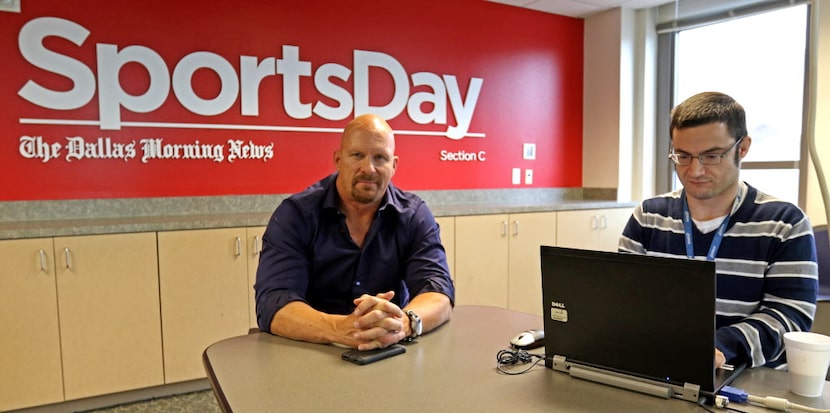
x=196 y=402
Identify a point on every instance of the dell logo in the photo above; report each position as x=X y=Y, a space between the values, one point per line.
x=555 y=304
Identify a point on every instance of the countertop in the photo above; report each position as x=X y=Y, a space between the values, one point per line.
x=35 y=219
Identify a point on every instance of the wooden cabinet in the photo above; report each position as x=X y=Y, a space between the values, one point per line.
x=593 y=229
x=481 y=260
x=108 y=336
x=528 y=232
x=497 y=259
x=203 y=276
x=108 y=303
x=447 y=225
x=254 y=242
x=29 y=341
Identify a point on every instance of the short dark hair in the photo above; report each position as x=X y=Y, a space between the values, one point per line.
x=708 y=107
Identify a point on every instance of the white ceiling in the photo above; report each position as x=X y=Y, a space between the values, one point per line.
x=580 y=8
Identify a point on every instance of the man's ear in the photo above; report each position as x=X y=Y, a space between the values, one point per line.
x=743 y=147
x=394 y=165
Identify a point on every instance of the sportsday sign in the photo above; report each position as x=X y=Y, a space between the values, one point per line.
x=101 y=101
x=105 y=84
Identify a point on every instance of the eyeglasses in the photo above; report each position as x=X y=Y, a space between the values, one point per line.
x=684 y=159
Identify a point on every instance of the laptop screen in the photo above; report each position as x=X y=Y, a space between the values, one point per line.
x=646 y=316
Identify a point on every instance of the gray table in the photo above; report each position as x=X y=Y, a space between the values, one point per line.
x=451 y=369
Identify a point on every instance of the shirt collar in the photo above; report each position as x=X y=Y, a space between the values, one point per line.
x=332 y=199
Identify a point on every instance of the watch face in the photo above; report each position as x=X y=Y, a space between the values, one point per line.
x=415 y=323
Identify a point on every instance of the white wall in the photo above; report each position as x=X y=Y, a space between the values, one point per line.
x=601 y=101
x=618 y=111
x=815 y=207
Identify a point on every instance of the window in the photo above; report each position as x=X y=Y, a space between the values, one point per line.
x=758 y=60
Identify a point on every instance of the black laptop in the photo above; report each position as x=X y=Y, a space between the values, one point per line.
x=639 y=322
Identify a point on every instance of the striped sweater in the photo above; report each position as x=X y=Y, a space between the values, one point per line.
x=767 y=277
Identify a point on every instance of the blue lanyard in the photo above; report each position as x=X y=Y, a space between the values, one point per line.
x=687 y=228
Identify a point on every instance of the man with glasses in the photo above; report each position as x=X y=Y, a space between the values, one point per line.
x=763 y=247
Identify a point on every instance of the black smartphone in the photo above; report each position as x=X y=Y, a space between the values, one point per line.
x=370 y=356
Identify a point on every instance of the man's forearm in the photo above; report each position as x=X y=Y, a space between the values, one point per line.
x=433 y=308
x=299 y=321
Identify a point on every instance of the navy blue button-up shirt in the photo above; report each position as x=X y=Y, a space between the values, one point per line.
x=308 y=254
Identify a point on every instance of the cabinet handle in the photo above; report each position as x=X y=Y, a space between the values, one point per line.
x=516 y=228
x=594 y=222
x=68 y=258
x=42 y=255
x=603 y=221
x=504 y=228
x=257 y=248
x=238 y=246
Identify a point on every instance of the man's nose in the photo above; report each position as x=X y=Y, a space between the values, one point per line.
x=367 y=165
x=696 y=167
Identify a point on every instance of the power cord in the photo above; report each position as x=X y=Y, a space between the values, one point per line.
x=732 y=394
x=512 y=357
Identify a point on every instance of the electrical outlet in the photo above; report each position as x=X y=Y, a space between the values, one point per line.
x=528 y=176
x=10 y=5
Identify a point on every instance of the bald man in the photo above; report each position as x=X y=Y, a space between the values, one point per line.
x=353 y=260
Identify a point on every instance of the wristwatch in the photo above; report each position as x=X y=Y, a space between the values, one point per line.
x=414 y=324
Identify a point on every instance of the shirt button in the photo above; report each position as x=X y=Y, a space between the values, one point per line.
x=357 y=283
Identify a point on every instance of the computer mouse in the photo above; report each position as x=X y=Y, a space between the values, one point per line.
x=529 y=339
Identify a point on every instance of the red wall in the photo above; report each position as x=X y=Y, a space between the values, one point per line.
x=529 y=66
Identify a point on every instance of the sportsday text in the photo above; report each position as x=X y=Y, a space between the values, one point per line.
x=437 y=94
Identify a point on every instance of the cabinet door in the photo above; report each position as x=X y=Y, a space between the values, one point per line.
x=254 y=236
x=109 y=313
x=447 y=225
x=29 y=340
x=592 y=229
x=527 y=232
x=578 y=229
x=204 y=295
x=612 y=225
x=481 y=260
